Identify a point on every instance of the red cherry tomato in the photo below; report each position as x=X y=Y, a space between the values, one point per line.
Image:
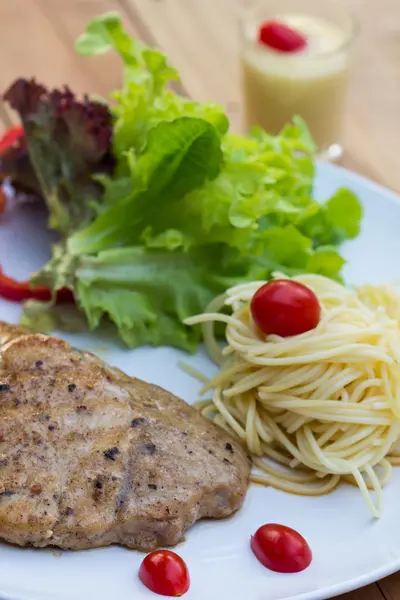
x=280 y=36
x=281 y=549
x=284 y=307
x=165 y=573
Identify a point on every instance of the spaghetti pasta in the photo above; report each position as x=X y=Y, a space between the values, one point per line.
x=317 y=408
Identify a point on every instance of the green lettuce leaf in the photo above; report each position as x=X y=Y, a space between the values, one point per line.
x=339 y=219
x=343 y=213
x=147 y=293
x=144 y=100
x=190 y=208
x=326 y=261
x=179 y=156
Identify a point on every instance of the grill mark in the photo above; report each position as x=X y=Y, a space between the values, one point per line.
x=95 y=443
x=129 y=455
x=66 y=470
x=126 y=482
x=60 y=411
x=62 y=474
x=46 y=454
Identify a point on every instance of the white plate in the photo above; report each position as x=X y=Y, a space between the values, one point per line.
x=350 y=548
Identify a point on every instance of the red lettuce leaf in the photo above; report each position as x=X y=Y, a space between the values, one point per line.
x=67 y=141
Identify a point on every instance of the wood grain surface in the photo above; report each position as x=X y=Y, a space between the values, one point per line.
x=200 y=37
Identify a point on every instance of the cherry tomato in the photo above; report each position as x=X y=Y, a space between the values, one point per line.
x=280 y=36
x=165 y=573
x=284 y=307
x=281 y=549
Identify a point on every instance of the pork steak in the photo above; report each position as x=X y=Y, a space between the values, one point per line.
x=91 y=457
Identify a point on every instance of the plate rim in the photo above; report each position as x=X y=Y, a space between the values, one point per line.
x=362 y=179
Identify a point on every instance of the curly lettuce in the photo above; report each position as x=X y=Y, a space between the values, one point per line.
x=190 y=208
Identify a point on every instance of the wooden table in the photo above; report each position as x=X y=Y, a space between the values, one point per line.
x=200 y=37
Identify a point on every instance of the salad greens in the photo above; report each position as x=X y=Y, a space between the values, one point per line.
x=189 y=208
x=66 y=143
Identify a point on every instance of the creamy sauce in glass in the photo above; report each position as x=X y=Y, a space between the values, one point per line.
x=311 y=83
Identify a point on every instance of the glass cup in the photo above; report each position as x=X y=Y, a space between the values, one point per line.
x=311 y=82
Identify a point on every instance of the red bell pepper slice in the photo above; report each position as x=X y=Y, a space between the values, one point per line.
x=10 y=288
x=18 y=291
x=10 y=137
